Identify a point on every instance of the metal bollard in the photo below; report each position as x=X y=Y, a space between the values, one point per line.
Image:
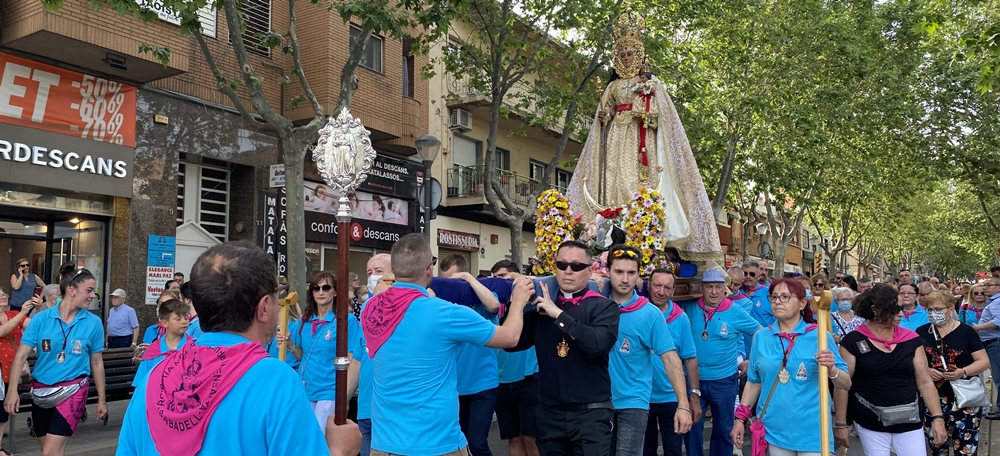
x=985 y=444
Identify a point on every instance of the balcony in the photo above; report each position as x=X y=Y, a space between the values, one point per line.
x=466 y=186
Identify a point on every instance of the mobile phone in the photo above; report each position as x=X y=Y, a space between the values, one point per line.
x=38 y=291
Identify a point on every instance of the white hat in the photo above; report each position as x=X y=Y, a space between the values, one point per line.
x=118 y=292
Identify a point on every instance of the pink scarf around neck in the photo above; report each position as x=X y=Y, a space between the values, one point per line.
x=636 y=305
x=899 y=335
x=675 y=312
x=185 y=389
x=153 y=350
x=383 y=313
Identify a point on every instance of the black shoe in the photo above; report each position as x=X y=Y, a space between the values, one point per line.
x=992 y=416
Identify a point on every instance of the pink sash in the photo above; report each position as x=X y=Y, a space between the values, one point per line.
x=675 y=311
x=576 y=300
x=383 y=313
x=636 y=305
x=153 y=350
x=899 y=335
x=186 y=388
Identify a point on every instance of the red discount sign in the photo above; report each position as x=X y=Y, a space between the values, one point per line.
x=45 y=97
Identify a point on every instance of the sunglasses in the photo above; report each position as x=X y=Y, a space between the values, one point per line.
x=324 y=288
x=838 y=278
x=978 y=293
x=819 y=284
x=22 y=265
x=434 y=261
x=576 y=267
x=751 y=273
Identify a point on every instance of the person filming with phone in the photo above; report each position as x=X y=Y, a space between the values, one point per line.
x=24 y=284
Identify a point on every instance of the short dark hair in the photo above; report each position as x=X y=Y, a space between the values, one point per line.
x=864 y=280
x=879 y=305
x=661 y=271
x=227 y=283
x=411 y=255
x=179 y=274
x=510 y=266
x=455 y=259
x=916 y=289
x=576 y=245
x=186 y=290
x=624 y=252
x=167 y=283
x=173 y=306
x=71 y=276
x=994 y=269
x=851 y=282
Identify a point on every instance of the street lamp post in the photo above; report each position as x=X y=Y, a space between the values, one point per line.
x=343 y=155
x=428 y=147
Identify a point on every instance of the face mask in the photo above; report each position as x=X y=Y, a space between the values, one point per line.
x=372 y=281
x=937 y=317
x=809 y=295
x=844 y=306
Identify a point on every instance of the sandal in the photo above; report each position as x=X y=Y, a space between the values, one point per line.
x=5 y=452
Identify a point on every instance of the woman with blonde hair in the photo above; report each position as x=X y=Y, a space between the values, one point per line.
x=24 y=284
x=971 y=310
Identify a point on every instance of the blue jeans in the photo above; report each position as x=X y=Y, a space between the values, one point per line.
x=720 y=395
x=663 y=415
x=630 y=429
x=365 y=424
x=993 y=353
x=475 y=416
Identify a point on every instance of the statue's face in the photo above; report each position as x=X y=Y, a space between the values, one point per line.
x=627 y=57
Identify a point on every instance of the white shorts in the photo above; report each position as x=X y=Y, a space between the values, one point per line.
x=322 y=410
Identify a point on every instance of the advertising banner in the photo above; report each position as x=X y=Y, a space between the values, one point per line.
x=159 y=265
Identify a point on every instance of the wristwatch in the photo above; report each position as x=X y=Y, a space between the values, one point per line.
x=695 y=391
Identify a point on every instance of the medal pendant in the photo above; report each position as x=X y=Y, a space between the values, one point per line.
x=562 y=349
x=783 y=375
x=704 y=335
x=61 y=357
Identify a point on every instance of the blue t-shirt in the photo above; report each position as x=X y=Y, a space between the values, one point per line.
x=147 y=365
x=366 y=381
x=795 y=426
x=680 y=329
x=272 y=347
x=477 y=366
x=514 y=367
x=194 y=328
x=967 y=314
x=279 y=422
x=746 y=304
x=761 y=307
x=151 y=332
x=415 y=399
x=912 y=322
x=640 y=333
x=49 y=335
x=319 y=351
x=717 y=355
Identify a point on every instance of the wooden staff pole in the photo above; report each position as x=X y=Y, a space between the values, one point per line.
x=286 y=306
x=821 y=305
x=343 y=302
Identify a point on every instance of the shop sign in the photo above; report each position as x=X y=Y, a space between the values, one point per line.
x=272 y=236
x=276 y=177
x=458 y=240
x=322 y=227
x=42 y=158
x=206 y=15
x=160 y=254
x=44 y=97
x=388 y=176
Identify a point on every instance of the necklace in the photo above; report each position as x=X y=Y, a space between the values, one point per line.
x=562 y=348
x=707 y=315
x=61 y=357
x=783 y=374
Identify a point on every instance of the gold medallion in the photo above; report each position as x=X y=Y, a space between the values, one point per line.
x=783 y=375
x=562 y=348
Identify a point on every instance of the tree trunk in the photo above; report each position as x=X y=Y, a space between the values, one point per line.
x=294 y=150
x=515 y=245
x=746 y=241
x=780 y=250
x=725 y=178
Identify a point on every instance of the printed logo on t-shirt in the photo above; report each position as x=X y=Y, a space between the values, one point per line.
x=725 y=330
x=77 y=348
x=625 y=348
x=328 y=336
x=46 y=345
x=863 y=346
x=801 y=374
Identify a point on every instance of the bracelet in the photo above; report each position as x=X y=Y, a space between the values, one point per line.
x=841 y=425
x=964 y=373
x=835 y=376
x=934 y=417
x=687 y=410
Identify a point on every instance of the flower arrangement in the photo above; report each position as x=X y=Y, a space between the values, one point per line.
x=643 y=224
x=555 y=225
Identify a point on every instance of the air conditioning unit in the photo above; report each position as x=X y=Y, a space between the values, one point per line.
x=461 y=120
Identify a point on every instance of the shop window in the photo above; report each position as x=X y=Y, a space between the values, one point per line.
x=257 y=22
x=373 y=52
x=202 y=197
x=408 y=70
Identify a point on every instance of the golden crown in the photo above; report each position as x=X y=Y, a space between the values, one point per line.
x=629 y=25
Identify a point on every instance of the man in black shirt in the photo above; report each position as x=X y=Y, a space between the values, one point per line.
x=572 y=338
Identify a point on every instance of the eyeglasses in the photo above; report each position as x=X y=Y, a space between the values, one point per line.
x=3 y=296
x=839 y=278
x=22 y=265
x=576 y=267
x=779 y=298
x=750 y=273
x=434 y=261
x=978 y=293
x=324 y=288
x=819 y=284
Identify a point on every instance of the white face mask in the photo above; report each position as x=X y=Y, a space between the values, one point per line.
x=372 y=281
x=937 y=317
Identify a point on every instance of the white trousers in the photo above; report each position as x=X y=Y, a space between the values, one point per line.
x=322 y=410
x=879 y=443
x=778 y=451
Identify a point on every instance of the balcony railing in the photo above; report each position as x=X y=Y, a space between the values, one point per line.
x=470 y=182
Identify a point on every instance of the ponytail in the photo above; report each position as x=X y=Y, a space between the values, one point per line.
x=71 y=276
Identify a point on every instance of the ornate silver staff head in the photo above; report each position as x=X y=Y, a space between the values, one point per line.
x=344 y=155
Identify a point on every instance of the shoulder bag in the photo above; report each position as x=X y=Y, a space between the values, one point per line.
x=969 y=391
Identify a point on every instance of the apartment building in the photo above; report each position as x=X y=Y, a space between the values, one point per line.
x=131 y=168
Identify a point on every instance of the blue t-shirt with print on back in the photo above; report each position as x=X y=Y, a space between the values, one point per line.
x=794 y=428
x=640 y=333
x=319 y=350
x=477 y=366
x=415 y=400
x=717 y=355
x=49 y=335
x=287 y=427
x=680 y=329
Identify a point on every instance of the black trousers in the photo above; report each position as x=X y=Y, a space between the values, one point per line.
x=563 y=432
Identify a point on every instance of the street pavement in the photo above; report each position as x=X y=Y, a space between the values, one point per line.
x=93 y=438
